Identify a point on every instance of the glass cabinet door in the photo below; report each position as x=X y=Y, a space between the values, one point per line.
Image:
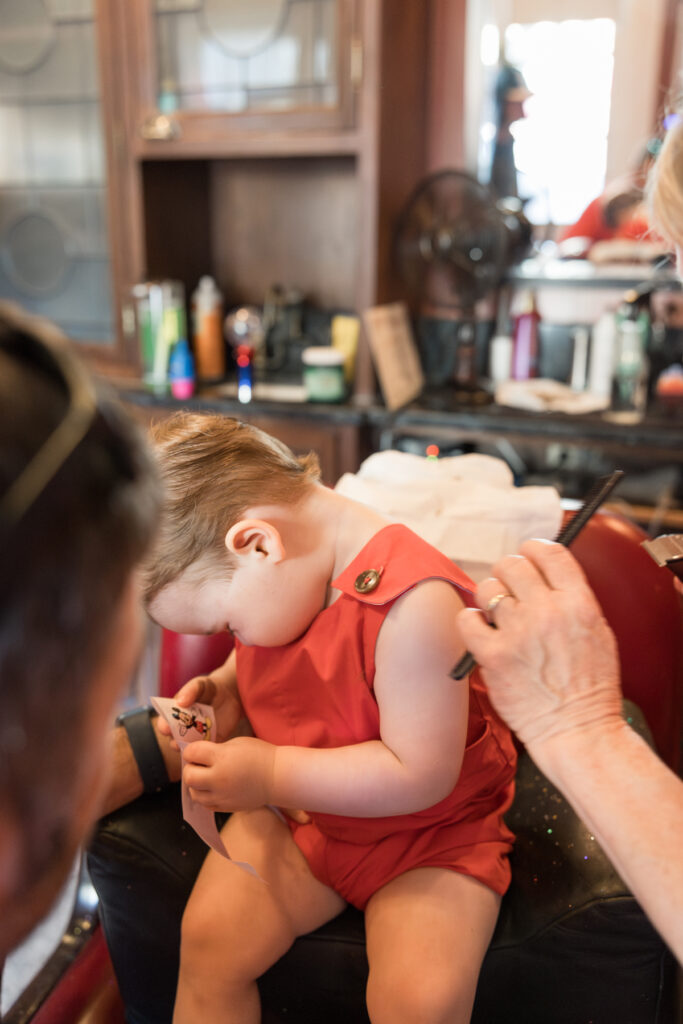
x=54 y=246
x=249 y=63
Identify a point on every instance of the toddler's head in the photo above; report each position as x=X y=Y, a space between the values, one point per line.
x=215 y=468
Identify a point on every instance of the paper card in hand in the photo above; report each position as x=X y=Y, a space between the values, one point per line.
x=187 y=726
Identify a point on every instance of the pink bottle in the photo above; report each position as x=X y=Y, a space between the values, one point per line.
x=525 y=346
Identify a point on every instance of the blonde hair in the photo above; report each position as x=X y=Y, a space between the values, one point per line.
x=214 y=468
x=665 y=186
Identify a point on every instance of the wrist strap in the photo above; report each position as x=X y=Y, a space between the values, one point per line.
x=143 y=742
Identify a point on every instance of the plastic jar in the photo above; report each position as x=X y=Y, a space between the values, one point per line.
x=324 y=374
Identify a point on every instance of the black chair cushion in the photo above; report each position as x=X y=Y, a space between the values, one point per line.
x=571 y=945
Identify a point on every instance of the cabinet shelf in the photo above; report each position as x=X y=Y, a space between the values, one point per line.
x=270 y=144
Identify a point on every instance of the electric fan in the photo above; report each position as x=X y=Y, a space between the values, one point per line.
x=452 y=246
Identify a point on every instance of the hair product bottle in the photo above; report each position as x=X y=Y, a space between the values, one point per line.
x=525 y=345
x=207 y=324
x=181 y=370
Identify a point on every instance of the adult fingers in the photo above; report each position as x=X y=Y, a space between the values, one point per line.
x=540 y=566
x=477 y=634
x=163 y=726
x=520 y=577
x=491 y=595
x=556 y=564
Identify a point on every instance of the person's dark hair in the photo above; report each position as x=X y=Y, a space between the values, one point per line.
x=621 y=204
x=65 y=561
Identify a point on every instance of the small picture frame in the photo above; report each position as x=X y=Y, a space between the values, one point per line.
x=394 y=353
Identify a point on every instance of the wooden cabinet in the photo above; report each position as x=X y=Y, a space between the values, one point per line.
x=215 y=76
x=302 y=194
x=263 y=143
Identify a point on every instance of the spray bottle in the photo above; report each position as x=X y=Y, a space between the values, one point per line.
x=525 y=345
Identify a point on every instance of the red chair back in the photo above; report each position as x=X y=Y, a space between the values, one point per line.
x=640 y=603
x=184 y=656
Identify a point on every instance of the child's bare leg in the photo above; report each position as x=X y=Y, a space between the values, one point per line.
x=427 y=933
x=235 y=926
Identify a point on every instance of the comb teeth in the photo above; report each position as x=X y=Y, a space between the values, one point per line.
x=593 y=500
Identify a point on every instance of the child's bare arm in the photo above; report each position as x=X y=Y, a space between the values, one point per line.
x=423 y=721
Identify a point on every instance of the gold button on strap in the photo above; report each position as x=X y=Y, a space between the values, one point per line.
x=367 y=581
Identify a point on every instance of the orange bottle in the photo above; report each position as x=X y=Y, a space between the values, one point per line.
x=207 y=337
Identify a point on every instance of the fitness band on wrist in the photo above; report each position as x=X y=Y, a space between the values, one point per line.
x=143 y=742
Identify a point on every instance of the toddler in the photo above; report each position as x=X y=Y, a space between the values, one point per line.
x=345 y=634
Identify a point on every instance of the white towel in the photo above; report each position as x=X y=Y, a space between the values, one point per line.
x=466 y=506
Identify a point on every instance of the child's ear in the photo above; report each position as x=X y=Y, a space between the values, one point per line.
x=255 y=537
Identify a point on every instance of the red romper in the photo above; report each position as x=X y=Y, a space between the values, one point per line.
x=318 y=692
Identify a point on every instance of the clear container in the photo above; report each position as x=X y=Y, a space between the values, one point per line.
x=629 y=383
x=500 y=358
x=324 y=374
x=161 y=323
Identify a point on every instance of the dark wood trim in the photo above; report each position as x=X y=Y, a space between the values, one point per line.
x=668 y=70
x=446 y=84
x=392 y=148
x=267 y=143
x=121 y=356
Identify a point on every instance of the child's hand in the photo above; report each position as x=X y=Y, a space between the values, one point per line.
x=205 y=690
x=231 y=776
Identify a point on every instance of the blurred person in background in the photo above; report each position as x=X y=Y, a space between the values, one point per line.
x=616 y=224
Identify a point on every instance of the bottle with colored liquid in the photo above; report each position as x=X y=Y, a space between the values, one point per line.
x=207 y=327
x=525 y=344
x=181 y=370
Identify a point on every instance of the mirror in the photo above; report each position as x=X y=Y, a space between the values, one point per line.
x=583 y=81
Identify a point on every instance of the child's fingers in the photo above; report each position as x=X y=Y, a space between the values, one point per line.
x=200 y=689
x=200 y=753
x=206 y=799
x=301 y=817
x=196 y=779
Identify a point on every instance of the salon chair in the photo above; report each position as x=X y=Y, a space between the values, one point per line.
x=571 y=946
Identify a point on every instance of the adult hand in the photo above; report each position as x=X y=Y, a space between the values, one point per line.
x=551 y=666
x=231 y=776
